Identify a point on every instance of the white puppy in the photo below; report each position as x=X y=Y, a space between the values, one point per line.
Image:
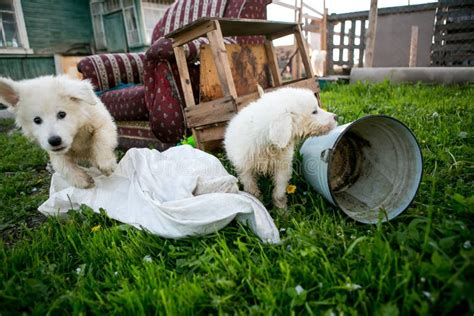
x=66 y=119
x=261 y=138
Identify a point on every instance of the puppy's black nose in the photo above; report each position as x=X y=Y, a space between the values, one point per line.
x=54 y=141
x=335 y=118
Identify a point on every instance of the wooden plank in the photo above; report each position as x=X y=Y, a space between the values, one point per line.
x=451 y=59
x=310 y=84
x=413 y=46
x=341 y=40
x=362 y=43
x=273 y=63
x=324 y=29
x=462 y=25
x=370 y=41
x=211 y=133
x=249 y=67
x=191 y=34
x=216 y=111
x=197 y=139
x=237 y=27
x=282 y=33
x=285 y=5
x=219 y=53
x=352 y=43
x=453 y=13
x=324 y=38
x=184 y=75
x=453 y=48
x=330 y=47
x=454 y=37
x=304 y=54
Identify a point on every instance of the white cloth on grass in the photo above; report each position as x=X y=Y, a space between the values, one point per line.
x=177 y=193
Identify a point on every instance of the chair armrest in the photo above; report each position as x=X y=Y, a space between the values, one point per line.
x=162 y=49
x=106 y=71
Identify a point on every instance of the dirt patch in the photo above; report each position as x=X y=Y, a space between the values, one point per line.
x=11 y=234
x=346 y=162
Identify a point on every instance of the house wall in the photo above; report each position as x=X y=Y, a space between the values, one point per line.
x=19 y=68
x=53 y=27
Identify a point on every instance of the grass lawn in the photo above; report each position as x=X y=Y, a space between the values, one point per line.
x=419 y=263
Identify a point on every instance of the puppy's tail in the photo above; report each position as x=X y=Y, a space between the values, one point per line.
x=260 y=90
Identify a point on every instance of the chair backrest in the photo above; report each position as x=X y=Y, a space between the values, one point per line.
x=183 y=12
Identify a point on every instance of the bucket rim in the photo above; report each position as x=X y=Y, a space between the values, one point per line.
x=331 y=153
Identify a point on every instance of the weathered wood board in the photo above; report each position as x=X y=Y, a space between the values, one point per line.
x=249 y=66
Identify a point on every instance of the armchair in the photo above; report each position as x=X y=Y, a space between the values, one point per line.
x=143 y=91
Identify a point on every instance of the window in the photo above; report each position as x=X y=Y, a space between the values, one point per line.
x=131 y=25
x=103 y=8
x=152 y=13
x=13 y=38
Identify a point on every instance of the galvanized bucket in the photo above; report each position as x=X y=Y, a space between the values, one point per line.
x=370 y=168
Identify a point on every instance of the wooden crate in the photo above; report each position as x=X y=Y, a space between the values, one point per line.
x=227 y=83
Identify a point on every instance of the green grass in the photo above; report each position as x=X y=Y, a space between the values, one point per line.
x=418 y=263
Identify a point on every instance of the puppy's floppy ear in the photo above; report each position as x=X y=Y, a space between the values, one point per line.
x=78 y=90
x=9 y=94
x=281 y=130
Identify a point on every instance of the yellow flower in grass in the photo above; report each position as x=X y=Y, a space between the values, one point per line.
x=95 y=228
x=290 y=189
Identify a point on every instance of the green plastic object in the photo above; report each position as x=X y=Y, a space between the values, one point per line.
x=188 y=141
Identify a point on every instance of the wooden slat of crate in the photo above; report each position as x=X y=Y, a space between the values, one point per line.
x=249 y=66
x=235 y=27
x=211 y=112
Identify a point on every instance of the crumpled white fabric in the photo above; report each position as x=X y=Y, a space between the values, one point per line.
x=176 y=193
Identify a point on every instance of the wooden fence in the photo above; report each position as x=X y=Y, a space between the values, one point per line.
x=453 y=43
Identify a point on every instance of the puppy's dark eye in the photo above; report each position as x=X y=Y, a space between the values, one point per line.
x=38 y=120
x=61 y=115
x=315 y=112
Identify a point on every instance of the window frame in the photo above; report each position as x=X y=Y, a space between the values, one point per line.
x=23 y=35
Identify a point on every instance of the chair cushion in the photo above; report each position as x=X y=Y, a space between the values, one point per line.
x=126 y=104
x=106 y=71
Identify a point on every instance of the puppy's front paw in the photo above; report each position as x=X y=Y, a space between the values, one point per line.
x=280 y=202
x=255 y=192
x=107 y=168
x=83 y=181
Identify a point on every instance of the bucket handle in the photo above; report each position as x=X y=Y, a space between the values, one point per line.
x=325 y=154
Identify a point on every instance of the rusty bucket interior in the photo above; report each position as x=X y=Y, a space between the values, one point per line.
x=375 y=169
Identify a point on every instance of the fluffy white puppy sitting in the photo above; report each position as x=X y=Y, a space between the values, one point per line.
x=64 y=116
x=261 y=138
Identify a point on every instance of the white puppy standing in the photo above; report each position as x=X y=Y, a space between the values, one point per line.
x=66 y=118
x=261 y=138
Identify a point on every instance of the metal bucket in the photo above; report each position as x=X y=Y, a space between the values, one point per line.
x=366 y=167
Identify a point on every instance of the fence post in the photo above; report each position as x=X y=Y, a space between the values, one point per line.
x=413 y=46
x=370 y=41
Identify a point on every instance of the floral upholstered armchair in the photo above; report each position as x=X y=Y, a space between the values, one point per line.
x=142 y=91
